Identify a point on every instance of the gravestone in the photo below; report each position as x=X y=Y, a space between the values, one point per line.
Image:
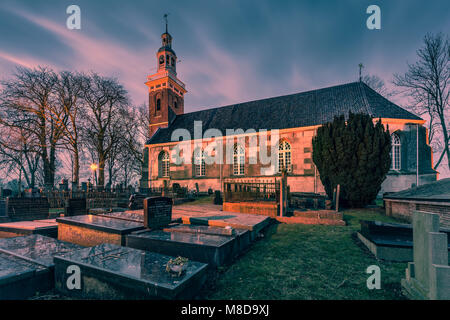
x=114 y=272
x=428 y=277
x=75 y=207
x=64 y=185
x=136 y=201
x=157 y=212
x=2 y=208
x=6 y=193
x=32 y=193
x=218 y=197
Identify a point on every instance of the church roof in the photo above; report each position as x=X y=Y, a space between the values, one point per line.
x=291 y=111
x=434 y=191
x=167 y=48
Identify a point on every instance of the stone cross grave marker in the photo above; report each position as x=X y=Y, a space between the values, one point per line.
x=157 y=212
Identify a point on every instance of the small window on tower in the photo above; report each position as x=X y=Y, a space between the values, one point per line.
x=173 y=62
x=176 y=105
x=161 y=59
x=167 y=59
x=158 y=104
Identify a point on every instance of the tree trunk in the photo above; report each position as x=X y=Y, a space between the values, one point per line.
x=76 y=166
x=52 y=165
x=101 y=170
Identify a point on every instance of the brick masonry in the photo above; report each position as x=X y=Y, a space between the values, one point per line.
x=26 y=209
x=303 y=177
x=269 y=209
x=87 y=237
x=404 y=209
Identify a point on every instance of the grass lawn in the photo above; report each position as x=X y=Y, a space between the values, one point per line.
x=310 y=262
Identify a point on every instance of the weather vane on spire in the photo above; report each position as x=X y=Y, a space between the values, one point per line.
x=166 y=15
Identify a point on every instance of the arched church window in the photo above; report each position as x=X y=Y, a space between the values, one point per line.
x=284 y=156
x=163 y=164
x=173 y=62
x=396 y=152
x=158 y=104
x=175 y=105
x=238 y=160
x=161 y=59
x=199 y=163
x=167 y=60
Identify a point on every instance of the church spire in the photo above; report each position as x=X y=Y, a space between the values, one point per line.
x=167 y=22
x=166 y=37
x=165 y=90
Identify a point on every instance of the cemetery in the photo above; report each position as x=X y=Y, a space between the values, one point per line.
x=150 y=248
x=121 y=253
x=390 y=241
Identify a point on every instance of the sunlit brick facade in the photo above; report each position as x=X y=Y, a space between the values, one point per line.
x=294 y=117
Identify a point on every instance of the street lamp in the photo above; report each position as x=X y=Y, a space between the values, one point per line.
x=93 y=168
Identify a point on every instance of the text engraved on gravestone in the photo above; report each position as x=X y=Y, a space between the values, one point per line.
x=157 y=212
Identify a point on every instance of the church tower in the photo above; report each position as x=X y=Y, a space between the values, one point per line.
x=166 y=91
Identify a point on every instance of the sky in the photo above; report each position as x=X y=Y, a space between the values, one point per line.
x=230 y=51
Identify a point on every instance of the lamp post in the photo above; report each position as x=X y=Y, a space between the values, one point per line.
x=94 y=168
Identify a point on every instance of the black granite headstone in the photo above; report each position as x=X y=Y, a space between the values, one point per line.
x=157 y=212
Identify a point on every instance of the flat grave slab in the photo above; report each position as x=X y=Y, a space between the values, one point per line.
x=129 y=215
x=105 y=210
x=389 y=241
x=36 y=248
x=91 y=230
x=136 y=216
x=207 y=215
x=23 y=228
x=112 y=272
x=50 y=221
x=20 y=279
x=215 y=250
x=242 y=242
x=212 y=215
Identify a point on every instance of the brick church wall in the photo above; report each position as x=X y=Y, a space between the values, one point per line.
x=303 y=177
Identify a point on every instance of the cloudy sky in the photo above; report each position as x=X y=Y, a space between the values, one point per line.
x=230 y=51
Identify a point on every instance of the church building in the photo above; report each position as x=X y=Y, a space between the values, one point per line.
x=294 y=117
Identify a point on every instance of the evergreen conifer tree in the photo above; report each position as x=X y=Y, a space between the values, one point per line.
x=354 y=153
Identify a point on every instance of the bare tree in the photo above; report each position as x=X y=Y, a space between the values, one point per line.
x=30 y=93
x=104 y=98
x=18 y=154
x=427 y=82
x=377 y=84
x=68 y=92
